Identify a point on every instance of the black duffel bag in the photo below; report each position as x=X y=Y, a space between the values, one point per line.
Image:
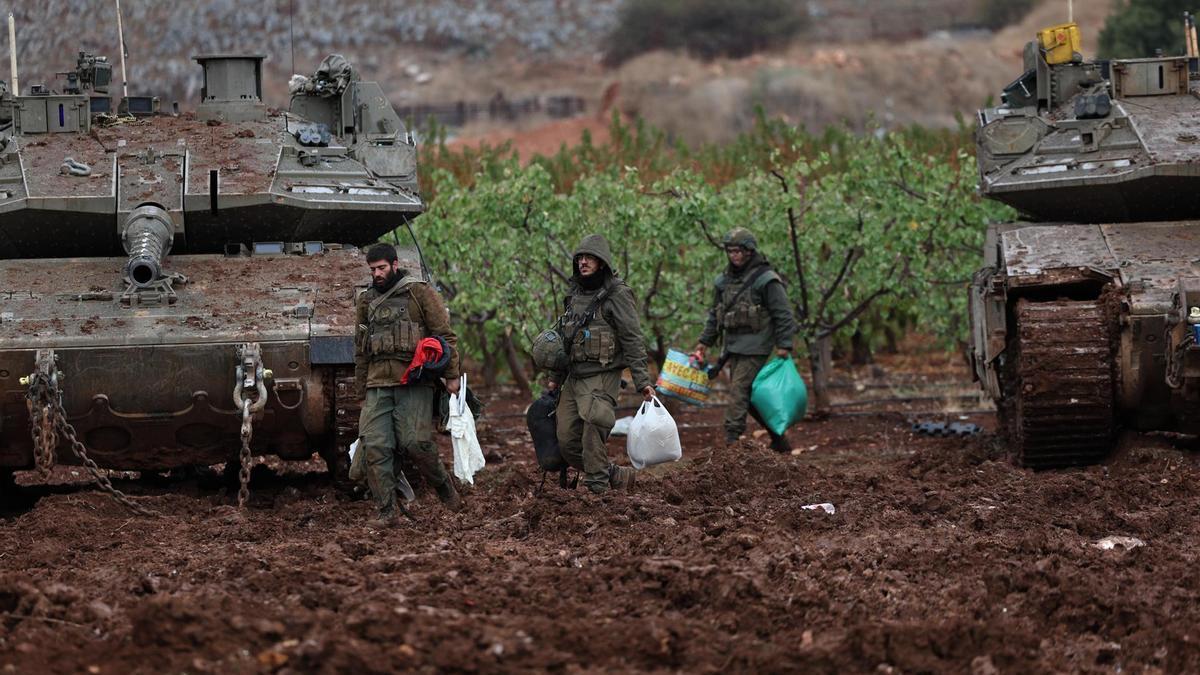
x=543 y=429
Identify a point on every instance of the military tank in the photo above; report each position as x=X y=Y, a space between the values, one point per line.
x=174 y=286
x=1086 y=315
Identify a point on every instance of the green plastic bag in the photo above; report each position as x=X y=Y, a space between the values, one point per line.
x=779 y=394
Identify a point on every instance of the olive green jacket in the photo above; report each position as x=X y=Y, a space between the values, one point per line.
x=425 y=306
x=618 y=314
x=767 y=296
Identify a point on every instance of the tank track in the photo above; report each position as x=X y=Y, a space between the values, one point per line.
x=1061 y=394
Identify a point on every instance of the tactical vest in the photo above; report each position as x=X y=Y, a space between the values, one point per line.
x=392 y=333
x=595 y=340
x=741 y=311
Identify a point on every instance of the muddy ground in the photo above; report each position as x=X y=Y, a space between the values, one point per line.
x=940 y=557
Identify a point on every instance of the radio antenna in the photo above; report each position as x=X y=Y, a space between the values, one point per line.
x=292 y=32
x=12 y=53
x=124 y=53
x=1070 y=11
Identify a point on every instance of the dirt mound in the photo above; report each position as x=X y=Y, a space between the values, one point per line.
x=939 y=557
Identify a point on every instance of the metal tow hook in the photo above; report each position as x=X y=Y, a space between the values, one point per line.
x=250 y=396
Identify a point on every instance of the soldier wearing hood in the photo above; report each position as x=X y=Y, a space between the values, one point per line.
x=606 y=337
x=751 y=314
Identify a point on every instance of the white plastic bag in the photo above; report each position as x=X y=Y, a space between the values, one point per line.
x=468 y=456
x=621 y=428
x=358 y=470
x=653 y=437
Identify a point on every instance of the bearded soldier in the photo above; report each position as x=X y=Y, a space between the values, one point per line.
x=394 y=315
x=603 y=337
x=751 y=313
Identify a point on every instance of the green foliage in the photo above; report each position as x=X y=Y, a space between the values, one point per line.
x=1138 y=27
x=706 y=28
x=996 y=14
x=870 y=232
x=648 y=150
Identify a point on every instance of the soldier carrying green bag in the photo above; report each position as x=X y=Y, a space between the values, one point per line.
x=751 y=314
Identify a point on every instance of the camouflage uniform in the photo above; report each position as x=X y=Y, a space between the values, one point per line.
x=601 y=350
x=753 y=323
x=399 y=417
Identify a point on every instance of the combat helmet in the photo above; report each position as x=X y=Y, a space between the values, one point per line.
x=549 y=352
x=740 y=236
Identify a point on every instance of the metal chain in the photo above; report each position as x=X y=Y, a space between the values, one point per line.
x=45 y=438
x=245 y=458
x=48 y=424
x=102 y=480
x=249 y=394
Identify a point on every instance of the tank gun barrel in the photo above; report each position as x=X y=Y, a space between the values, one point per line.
x=147 y=238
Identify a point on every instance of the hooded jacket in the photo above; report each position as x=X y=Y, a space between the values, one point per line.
x=613 y=339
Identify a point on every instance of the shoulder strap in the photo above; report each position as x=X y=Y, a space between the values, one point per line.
x=588 y=314
x=746 y=286
x=398 y=286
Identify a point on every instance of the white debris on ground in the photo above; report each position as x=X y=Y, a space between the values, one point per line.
x=1110 y=543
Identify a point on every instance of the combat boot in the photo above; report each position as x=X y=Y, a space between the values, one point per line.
x=779 y=443
x=449 y=496
x=621 y=477
x=385 y=520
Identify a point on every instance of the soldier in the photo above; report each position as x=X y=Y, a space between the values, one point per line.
x=750 y=311
x=600 y=326
x=394 y=314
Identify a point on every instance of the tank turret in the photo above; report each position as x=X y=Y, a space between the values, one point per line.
x=1088 y=141
x=233 y=172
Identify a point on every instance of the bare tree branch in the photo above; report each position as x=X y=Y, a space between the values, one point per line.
x=707 y=235
x=557 y=271
x=852 y=254
x=794 y=235
x=885 y=288
x=909 y=191
x=858 y=310
x=649 y=297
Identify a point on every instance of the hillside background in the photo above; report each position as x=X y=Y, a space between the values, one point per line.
x=895 y=61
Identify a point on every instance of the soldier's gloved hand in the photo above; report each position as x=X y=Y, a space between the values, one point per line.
x=360 y=389
x=551 y=385
x=648 y=392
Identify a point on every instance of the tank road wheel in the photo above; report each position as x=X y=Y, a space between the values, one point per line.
x=1062 y=385
x=347 y=406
